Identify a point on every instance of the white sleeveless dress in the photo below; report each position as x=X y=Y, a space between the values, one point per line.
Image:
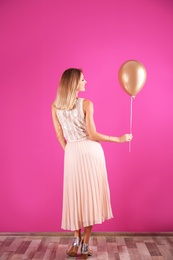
x=86 y=196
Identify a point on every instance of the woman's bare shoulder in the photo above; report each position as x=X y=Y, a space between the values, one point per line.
x=87 y=102
x=53 y=107
x=87 y=105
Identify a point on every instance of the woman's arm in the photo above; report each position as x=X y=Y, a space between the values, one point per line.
x=58 y=128
x=91 y=128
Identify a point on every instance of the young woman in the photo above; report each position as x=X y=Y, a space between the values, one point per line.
x=86 y=196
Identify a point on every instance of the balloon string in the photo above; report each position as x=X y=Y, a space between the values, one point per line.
x=131 y=113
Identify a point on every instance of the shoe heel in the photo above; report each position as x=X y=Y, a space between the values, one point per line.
x=84 y=249
x=72 y=251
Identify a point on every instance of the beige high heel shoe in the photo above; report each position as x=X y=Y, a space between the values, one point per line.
x=72 y=251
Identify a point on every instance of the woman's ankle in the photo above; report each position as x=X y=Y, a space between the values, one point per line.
x=86 y=241
x=77 y=233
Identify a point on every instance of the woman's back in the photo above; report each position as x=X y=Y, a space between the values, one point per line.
x=73 y=122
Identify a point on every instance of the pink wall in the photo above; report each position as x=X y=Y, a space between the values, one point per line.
x=39 y=39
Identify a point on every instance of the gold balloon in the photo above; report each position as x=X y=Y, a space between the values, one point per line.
x=132 y=76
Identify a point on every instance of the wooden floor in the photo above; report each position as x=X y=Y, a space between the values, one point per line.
x=105 y=247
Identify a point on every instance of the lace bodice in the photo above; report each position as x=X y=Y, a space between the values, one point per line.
x=73 y=122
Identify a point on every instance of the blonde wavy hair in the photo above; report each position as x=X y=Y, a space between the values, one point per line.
x=67 y=89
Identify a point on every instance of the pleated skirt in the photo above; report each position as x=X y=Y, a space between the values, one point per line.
x=86 y=195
